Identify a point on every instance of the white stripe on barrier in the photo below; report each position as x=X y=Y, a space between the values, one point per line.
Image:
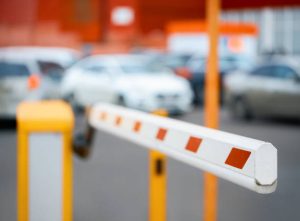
x=248 y=162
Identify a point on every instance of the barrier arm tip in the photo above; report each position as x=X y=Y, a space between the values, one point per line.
x=266 y=168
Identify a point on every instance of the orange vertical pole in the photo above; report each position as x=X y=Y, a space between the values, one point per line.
x=211 y=105
x=157 y=182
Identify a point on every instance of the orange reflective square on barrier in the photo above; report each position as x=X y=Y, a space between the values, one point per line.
x=118 y=120
x=193 y=144
x=161 y=134
x=103 y=116
x=238 y=158
x=137 y=126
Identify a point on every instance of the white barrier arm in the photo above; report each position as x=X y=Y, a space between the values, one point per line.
x=247 y=162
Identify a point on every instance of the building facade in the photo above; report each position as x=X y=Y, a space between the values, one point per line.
x=56 y=21
x=279 y=28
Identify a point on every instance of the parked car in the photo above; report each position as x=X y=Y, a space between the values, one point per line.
x=130 y=80
x=30 y=73
x=272 y=88
x=197 y=69
x=17 y=83
x=175 y=61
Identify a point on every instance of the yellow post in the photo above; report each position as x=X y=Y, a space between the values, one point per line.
x=211 y=105
x=44 y=161
x=158 y=181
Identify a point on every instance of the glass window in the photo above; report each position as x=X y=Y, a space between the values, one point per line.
x=284 y=72
x=13 y=69
x=264 y=71
x=275 y=71
x=175 y=61
x=50 y=68
x=96 y=64
x=143 y=67
x=96 y=68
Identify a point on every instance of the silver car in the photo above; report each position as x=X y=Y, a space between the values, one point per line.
x=270 y=89
x=30 y=73
x=17 y=83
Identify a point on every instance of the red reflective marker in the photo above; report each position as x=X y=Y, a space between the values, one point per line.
x=237 y=158
x=193 y=144
x=161 y=134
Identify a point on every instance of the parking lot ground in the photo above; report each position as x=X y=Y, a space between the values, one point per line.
x=112 y=183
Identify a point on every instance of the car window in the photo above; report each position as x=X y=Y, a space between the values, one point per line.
x=95 y=65
x=275 y=71
x=13 y=69
x=96 y=68
x=174 y=61
x=50 y=68
x=284 y=72
x=263 y=71
x=143 y=67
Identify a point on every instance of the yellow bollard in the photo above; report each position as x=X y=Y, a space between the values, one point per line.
x=158 y=181
x=211 y=106
x=44 y=161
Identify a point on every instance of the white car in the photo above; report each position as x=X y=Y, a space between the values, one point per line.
x=30 y=73
x=272 y=88
x=129 y=80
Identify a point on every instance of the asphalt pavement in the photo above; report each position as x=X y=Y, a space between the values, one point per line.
x=112 y=185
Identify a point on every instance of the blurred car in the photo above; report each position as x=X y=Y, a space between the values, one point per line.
x=50 y=62
x=30 y=73
x=18 y=82
x=130 y=80
x=197 y=69
x=272 y=88
x=175 y=61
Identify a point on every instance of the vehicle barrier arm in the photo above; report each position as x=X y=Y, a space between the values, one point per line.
x=247 y=162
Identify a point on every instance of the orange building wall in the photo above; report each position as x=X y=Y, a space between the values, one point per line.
x=155 y=14
x=17 y=11
x=49 y=10
x=89 y=20
x=79 y=16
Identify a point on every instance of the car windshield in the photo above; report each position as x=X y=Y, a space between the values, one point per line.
x=143 y=67
x=174 y=61
x=13 y=69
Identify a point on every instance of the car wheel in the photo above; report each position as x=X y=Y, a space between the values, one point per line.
x=240 y=109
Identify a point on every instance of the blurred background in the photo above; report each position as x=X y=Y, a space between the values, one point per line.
x=147 y=55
